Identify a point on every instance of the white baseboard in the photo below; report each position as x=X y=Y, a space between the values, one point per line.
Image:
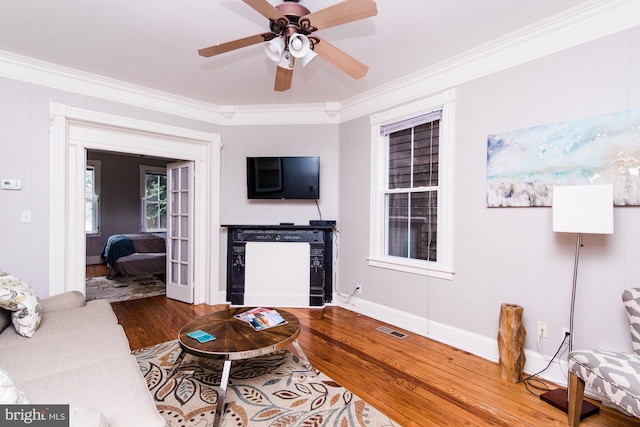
x=473 y=343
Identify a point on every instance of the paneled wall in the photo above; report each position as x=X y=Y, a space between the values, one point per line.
x=25 y=155
x=509 y=255
x=240 y=142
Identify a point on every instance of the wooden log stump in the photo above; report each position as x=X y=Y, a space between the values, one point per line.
x=511 y=335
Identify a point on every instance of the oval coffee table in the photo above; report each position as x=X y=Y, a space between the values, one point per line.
x=236 y=340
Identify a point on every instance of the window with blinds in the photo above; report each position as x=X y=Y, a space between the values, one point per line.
x=411 y=194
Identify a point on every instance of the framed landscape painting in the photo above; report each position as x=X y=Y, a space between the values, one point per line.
x=524 y=165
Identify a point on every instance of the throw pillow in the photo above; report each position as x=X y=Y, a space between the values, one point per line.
x=9 y=393
x=19 y=297
x=5 y=319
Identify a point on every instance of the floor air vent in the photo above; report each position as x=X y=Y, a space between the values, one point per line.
x=391 y=332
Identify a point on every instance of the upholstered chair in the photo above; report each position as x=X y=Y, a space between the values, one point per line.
x=614 y=376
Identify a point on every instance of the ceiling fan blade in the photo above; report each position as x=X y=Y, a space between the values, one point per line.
x=266 y=9
x=284 y=76
x=338 y=58
x=235 y=44
x=342 y=13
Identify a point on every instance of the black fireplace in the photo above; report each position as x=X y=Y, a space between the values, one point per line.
x=319 y=237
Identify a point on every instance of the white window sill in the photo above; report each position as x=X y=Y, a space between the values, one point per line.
x=399 y=264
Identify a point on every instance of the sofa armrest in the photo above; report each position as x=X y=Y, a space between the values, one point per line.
x=64 y=301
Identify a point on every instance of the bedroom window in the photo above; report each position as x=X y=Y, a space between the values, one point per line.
x=92 y=197
x=410 y=193
x=154 y=199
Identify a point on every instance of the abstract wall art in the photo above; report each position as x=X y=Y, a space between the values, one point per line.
x=524 y=165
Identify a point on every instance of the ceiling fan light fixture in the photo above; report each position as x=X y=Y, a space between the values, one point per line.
x=286 y=61
x=299 y=45
x=308 y=57
x=291 y=36
x=274 y=48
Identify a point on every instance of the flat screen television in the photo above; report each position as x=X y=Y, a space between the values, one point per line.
x=283 y=177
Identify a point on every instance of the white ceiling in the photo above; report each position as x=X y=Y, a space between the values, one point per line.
x=154 y=43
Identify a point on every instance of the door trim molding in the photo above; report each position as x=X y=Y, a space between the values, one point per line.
x=73 y=132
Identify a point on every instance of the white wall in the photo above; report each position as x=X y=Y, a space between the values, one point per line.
x=508 y=255
x=24 y=154
x=240 y=142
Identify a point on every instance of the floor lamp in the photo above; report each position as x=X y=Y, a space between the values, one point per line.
x=579 y=209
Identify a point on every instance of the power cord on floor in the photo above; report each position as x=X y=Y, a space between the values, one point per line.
x=529 y=382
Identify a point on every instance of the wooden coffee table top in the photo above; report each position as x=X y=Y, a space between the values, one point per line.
x=236 y=339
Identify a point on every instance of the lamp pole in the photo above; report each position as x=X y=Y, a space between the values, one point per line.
x=573 y=290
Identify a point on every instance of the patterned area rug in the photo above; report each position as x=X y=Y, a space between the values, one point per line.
x=124 y=288
x=272 y=390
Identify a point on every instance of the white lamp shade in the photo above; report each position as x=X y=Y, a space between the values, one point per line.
x=299 y=45
x=583 y=209
x=308 y=57
x=274 y=49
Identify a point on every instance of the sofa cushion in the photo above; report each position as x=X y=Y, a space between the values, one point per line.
x=86 y=417
x=48 y=355
x=114 y=386
x=19 y=297
x=10 y=394
x=88 y=319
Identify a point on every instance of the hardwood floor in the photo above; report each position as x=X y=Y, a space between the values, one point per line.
x=96 y=270
x=415 y=381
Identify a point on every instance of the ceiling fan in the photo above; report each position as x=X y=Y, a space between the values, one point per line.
x=292 y=27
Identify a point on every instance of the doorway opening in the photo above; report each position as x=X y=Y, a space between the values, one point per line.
x=126 y=225
x=74 y=132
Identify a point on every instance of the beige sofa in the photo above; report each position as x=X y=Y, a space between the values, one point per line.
x=79 y=355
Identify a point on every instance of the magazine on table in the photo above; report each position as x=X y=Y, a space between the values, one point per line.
x=261 y=318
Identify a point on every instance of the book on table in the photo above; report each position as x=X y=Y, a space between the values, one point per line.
x=261 y=318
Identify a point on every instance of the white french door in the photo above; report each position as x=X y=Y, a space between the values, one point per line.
x=180 y=240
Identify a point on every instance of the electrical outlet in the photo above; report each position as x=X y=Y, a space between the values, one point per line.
x=565 y=332
x=543 y=329
x=358 y=290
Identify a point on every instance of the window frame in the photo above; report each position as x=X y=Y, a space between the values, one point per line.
x=95 y=202
x=443 y=267
x=144 y=170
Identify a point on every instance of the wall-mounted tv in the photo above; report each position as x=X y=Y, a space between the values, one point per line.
x=283 y=177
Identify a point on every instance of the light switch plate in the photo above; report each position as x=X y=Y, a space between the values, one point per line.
x=25 y=216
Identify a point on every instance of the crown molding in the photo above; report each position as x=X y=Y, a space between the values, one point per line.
x=30 y=70
x=590 y=21
x=284 y=114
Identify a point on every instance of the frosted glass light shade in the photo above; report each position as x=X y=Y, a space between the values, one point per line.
x=299 y=45
x=274 y=48
x=583 y=209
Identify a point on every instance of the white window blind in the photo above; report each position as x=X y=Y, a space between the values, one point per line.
x=411 y=122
